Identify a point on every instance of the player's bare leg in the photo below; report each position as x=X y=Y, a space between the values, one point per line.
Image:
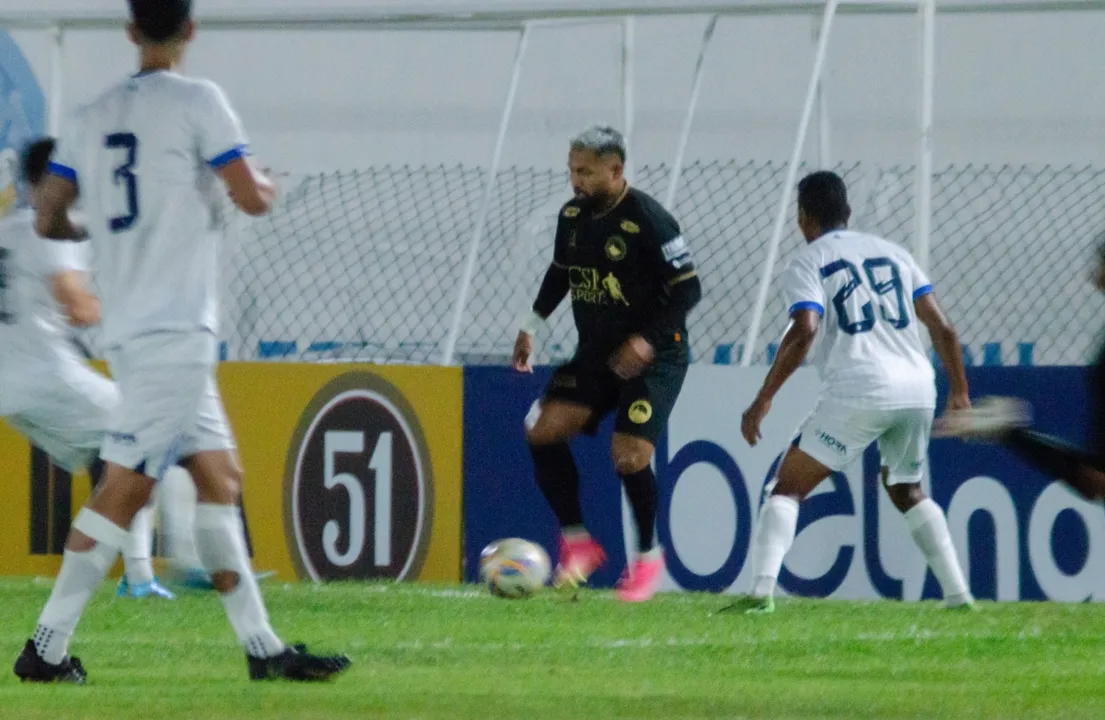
x=549 y=427
x=99 y=532
x=929 y=529
x=220 y=540
x=633 y=462
x=797 y=476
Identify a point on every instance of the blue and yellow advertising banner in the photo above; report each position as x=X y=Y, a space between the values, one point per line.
x=351 y=472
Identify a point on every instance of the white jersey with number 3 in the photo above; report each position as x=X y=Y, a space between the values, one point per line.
x=870 y=350
x=144 y=156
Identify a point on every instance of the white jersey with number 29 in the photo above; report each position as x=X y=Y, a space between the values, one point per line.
x=144 y=156
x=870 y=350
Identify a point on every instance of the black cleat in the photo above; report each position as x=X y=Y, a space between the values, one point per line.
x=29 y=667
x=295 y=663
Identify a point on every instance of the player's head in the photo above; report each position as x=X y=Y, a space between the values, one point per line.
x=33 y=165
x=822 y=204
x=596 y=162
x=163 y=24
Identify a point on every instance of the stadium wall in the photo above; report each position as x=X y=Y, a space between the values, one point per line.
x=1020 y=536
x=352 y=472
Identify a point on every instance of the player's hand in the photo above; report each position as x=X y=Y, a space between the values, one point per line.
x=634 y=357
x=958 y=401
x=752 y=418
x=523 y=353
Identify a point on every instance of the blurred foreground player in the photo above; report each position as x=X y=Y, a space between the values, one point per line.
x=1006 y=420
x=867 y=296
x=146 y=158
x=632 y=282
x=47 y=392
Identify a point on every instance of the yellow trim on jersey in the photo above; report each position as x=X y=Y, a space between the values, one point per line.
x=681 y=278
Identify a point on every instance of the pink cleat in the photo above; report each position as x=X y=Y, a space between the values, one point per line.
x=579 y=557
x=641 y=579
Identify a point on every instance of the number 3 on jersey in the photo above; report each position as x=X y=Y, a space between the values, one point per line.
x=897 y=315
x=124 y=178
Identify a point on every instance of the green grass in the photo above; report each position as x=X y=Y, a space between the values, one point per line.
x=430 y=652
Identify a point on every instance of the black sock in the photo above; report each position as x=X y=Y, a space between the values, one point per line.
x=558 y=478
x=1056 y=458
x=640 y=488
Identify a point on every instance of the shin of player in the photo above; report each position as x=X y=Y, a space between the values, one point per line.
x=160 y=336
x=624 y=261
x=868 y=295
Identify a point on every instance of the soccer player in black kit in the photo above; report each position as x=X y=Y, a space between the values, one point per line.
x=1006 y=420
x=628 y=269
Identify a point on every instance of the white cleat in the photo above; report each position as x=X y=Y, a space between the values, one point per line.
x=989 y=419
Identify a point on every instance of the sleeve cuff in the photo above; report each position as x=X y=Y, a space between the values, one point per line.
x=224 y=159
x=62 y=171
x=808 y=305
x=922 y=291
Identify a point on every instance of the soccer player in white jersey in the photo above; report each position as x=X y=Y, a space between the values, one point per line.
x=146 y=159
x=47 y=392
x=867 y=296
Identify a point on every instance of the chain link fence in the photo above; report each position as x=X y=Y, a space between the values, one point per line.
x=367 y=266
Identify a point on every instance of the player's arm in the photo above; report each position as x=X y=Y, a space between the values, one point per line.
x=249 y=188
x=82 y=308
x=667 y=253
x=223 y=143
x=946 y=342
x=805 y=297
x=553 y=288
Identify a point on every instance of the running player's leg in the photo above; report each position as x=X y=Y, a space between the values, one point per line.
x=68 y=421
x=904 y=450
x=211 y=459
x=571 y=406
x=644 y=406
x=831 y=440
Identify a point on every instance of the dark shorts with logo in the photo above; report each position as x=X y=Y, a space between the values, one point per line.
x=643 y=404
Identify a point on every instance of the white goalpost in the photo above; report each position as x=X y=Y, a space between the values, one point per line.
x=526 y=18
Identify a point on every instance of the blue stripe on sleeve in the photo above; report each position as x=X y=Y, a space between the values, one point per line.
x=922 y=291
x=808 y=305
x=224 y=159
x=62 y=171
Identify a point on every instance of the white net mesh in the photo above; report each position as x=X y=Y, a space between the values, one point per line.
x=367 y=265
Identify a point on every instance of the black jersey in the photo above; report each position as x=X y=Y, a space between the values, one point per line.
x=622 y=266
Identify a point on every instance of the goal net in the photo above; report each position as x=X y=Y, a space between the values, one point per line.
x=369 y=262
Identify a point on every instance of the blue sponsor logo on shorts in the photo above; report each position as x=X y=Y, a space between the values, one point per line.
x=832 y=442
x=124 y=438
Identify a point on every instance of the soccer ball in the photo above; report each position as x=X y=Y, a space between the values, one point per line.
x=514 y=568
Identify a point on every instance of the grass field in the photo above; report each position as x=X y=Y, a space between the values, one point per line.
x=437 y=652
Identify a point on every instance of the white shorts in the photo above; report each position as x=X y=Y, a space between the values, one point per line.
x=169 y=402
x=836 y=436
x=66 y=413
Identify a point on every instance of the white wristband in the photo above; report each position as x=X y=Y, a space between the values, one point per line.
x=531 y=324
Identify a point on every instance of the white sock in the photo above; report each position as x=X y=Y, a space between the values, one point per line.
x=930 y=531
x=220 y=538
x=177 y=502
x=136 y=555
x=81 y=573
x=774 y=536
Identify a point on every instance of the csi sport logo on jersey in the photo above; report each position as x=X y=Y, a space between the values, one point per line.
x=358 y=484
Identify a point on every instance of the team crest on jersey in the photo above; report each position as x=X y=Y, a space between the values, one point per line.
x=615 y=248
x=631 y=227
x=640 y=412
x=571 y=211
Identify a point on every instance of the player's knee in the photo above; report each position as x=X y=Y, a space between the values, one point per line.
x=905 y=495
x=630 y=458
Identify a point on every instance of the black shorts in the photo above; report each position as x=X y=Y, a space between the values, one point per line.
x=643 y=404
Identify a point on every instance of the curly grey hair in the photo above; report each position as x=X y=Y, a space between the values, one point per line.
x=601 y=140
